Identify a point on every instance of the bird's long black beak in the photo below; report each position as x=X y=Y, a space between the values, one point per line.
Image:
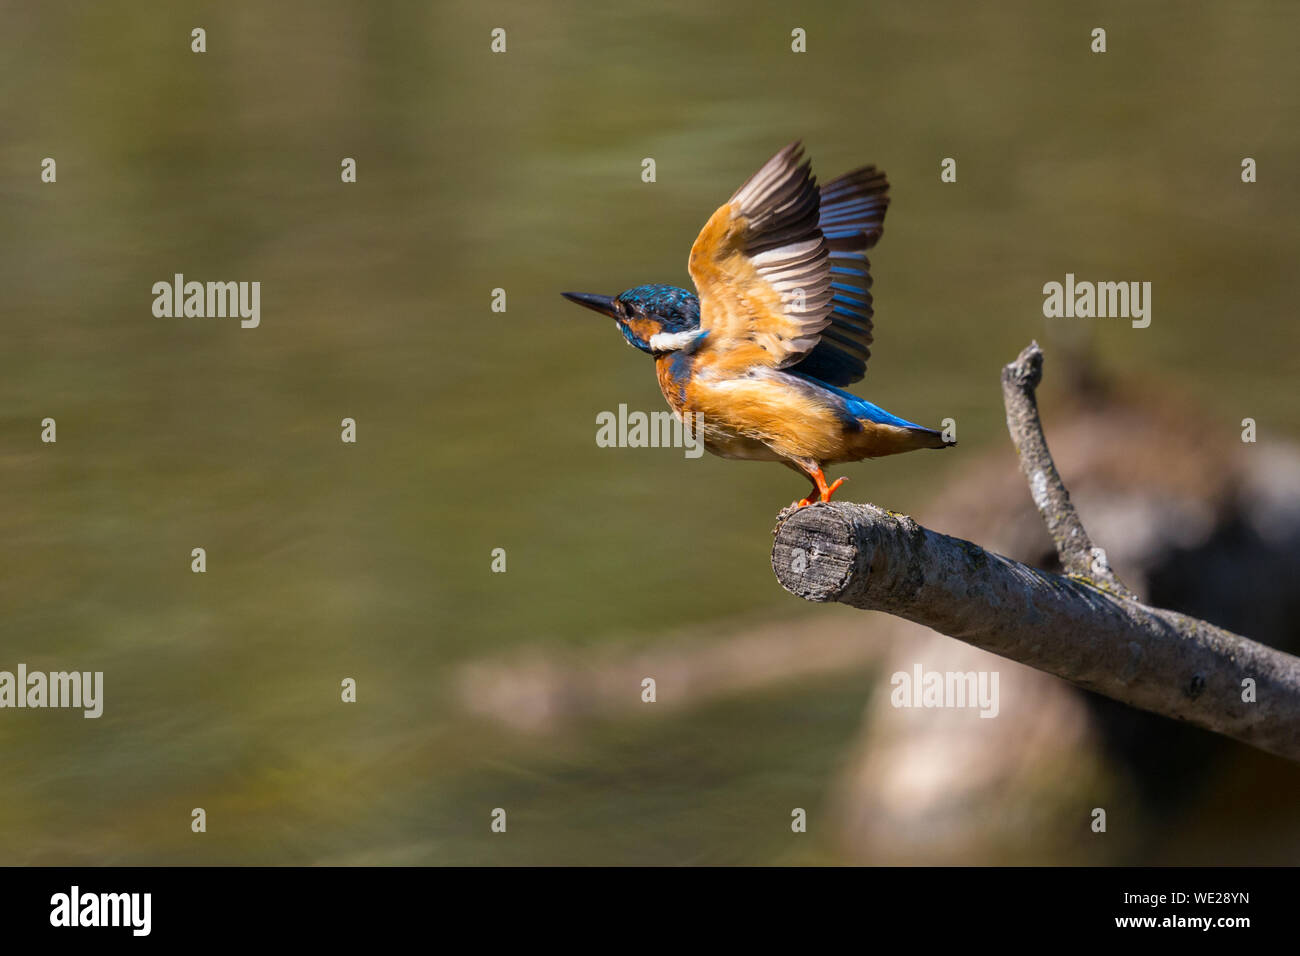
x=597 y=303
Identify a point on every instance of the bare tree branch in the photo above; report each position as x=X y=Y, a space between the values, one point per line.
x=1084 y=626
x=1154 y=659
x=1079 y=557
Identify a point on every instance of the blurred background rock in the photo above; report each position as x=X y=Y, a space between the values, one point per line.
x=476 y=430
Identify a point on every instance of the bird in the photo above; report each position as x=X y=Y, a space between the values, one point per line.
x=757 y=360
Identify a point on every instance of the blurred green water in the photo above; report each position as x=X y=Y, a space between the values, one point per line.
x=476 y=429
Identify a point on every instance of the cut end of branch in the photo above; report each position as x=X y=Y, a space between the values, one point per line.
x=1027 y=370
x=815 y=555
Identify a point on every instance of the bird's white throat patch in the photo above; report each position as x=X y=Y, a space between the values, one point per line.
x=673 y=341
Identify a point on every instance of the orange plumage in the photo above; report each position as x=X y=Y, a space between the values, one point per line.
x=783 y=317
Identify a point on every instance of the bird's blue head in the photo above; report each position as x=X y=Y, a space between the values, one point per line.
x=646 y=311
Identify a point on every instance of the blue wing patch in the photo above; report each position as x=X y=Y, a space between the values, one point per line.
x=857 y=408
x=851 y=217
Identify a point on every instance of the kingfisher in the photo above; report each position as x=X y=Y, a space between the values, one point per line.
x=755 y=362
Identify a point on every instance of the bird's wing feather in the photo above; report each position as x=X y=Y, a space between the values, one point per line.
x=761 y=265
x=851 y=220
x=782 y=271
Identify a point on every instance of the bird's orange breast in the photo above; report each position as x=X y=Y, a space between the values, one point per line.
x=736 y=411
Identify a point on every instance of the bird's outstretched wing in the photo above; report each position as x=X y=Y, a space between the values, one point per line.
x=782 y=278
x=852 y=219
x=761 y=267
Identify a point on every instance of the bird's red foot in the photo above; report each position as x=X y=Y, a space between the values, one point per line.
x=826 y=493
x=823 y=490
x=820 y=492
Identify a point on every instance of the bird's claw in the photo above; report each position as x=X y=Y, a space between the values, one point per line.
x=824 y=493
